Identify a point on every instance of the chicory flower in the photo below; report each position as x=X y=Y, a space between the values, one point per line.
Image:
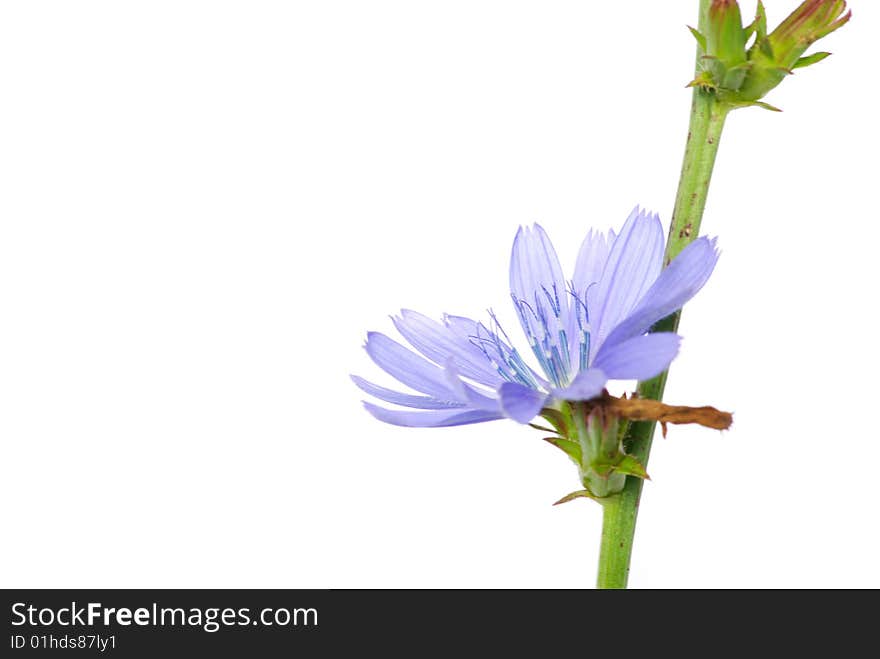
x=582 y=332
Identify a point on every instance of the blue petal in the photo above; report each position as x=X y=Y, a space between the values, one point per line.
x=461 y=327
x=439 y=342
x=431 y=419
x=633 y=265
x=677 y=284
x=588 y=384
x=407 y=400
x=638 y=358
x=534 y=266
x=408 y=367
x=591 y=260
x=588 y=270
x=521 y=403
x=466 y=393
x=539 y=293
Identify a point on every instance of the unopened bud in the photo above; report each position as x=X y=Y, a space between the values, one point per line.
x=742 y=74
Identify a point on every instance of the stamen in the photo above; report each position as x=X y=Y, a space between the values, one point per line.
x=583 y=320
x=546 y=335
x=512 y=367
x=553 y=300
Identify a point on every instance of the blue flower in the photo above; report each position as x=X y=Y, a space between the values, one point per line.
x=582 y=333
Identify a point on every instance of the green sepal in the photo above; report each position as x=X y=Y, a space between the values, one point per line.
x=567 y=446
x=703 y=80
x=809 y=59
x=556 y=419
x=734 y=77
x=630 y=466
x=832 y=27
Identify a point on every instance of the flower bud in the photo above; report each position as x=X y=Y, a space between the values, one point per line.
x=776 y=55
x=741 y=75
x=600 y=441
x=726 y=38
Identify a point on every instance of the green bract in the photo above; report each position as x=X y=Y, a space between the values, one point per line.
x=593 y=438
x=742 y=64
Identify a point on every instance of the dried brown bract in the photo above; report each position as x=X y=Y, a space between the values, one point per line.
x=641 y=409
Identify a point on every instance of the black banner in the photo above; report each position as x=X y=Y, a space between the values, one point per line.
x=135 y=623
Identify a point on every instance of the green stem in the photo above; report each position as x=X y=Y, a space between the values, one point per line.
x=704 y=135
x=618 y=524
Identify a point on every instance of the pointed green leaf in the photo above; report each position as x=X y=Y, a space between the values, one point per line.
x=579 y=494
x=760 y=22
x=701 y=40
x=810 y=59
x=766 y=106
x=765 y=47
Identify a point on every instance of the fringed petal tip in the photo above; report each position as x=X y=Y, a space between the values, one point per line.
x=407 y=367
x=441 y=341
x=403 y=399
x=634 y=262
x=539 y=292
x=678 y=282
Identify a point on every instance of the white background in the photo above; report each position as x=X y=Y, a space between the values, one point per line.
x=204 y=206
